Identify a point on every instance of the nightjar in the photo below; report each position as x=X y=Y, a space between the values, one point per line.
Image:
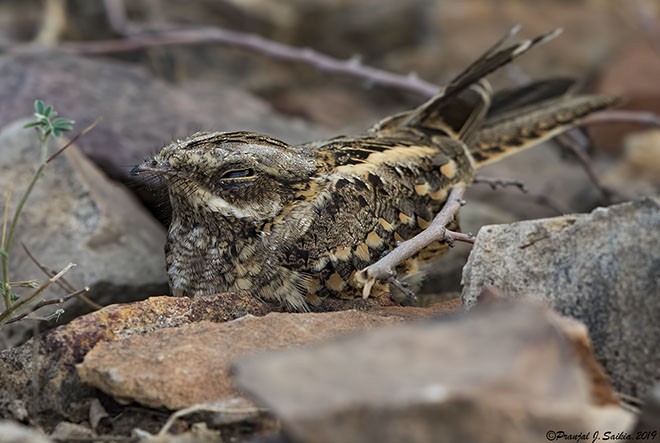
x=294 y=223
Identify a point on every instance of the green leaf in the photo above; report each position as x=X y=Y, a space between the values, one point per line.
x=63 y=122
x=31 y=124
x=48 y=111
x=4 y=252
x=39 y=106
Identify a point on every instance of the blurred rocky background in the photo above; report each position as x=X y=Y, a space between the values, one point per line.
x=155 y=70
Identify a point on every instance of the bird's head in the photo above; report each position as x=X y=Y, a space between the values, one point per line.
x=237 y=174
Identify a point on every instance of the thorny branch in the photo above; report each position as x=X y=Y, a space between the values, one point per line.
x=26 y=300
x=578 y=146
x=384 y=269
x=62 y=283
x=495 y=183
x=352 y=67
x=44 y=303
x=74 y=139
x=623 y=116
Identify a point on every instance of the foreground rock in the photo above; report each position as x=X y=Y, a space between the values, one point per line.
x=76 y=214
x=38 y=381
x=602 y=268
x=179 y=367
x=507 y=366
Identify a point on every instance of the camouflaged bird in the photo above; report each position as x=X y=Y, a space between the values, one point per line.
x=294 y=223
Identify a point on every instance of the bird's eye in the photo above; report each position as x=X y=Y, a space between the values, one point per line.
x=238 y=173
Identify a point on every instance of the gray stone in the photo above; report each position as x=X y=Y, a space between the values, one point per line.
x=649 y=417
x=141 y=113
x=11 y=432
x=76 y=214
x=507 y=367
x=602 y=268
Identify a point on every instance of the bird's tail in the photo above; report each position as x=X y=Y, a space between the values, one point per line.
x=511 y=131
x=496 y=125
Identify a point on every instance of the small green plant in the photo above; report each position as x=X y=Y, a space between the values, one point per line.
x=48 y=126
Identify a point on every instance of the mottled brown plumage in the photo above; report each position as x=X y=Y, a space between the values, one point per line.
x=295 y=223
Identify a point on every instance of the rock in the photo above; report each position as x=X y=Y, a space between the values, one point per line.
x=11 y=432
x=170 y=367
x=65 y=431
x=649 y=417
x=506 y=366
x=47 y=361
x=140 y=113
x=76 y=214
x=601 y=268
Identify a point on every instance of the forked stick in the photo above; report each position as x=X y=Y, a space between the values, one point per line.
x=384 y=269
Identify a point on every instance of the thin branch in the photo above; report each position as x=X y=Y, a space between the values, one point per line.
x=208 y=407
x=75 y=139
x=55 y=315
x=622 y=116
x=62 y=283
x=495 y=183
x=384 y=269
x=571 y=143
x=44 y=303
x=24 y=301
x=454 y=236
x=255 y=43
x=5 y=216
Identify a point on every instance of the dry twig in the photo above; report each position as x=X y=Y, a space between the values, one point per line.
x=44 y=303
x=352 y=67
x=384 y=269
x=495 y=183
x=623 y=116
x=218 y=408
x=573 y=144
x=75 y=138
x=28 y=299
x=62 y=283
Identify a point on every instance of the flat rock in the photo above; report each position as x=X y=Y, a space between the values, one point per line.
x=179 y=367
x=602 y=268
x=48 y=360
x=76 y=214
x=507 y=366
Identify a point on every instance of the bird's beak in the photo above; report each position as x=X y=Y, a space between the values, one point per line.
x=151 y=166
